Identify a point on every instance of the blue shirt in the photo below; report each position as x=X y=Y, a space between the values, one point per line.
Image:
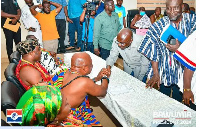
x=91 y=28
x=121 y=13
x=154 y=49
x=75 y=8
x=61 y=14
x=100 y=8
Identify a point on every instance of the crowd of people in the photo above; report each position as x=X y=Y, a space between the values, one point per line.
x=103 y=32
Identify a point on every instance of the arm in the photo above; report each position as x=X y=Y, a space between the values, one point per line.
x=97 y=32
x=58 y=6
x=32 y=9
x=135 y=19
x=7 y=15
x=144 y=67
x=98 y=90
x=34 y=78
x=124 y=22
x=66 y=14
x=82 y=17
x=187 y=93
x=156 y=77
x=152 y=18
x=113 y=56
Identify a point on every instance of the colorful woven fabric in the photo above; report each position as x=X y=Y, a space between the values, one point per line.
x=40 y=105
x=44 y=73
x=84 y=114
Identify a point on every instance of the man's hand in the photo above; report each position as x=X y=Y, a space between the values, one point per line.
x=14 y=21
x=17 y=17
x=69 y=20
x=109 y=68
x=173 y=48
x=102 y=73
x=154 y=80
x=96 y=52
x=32 y=29
x=187 y=95
x=40 y=6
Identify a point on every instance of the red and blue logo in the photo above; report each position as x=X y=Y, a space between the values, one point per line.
x=14 y=115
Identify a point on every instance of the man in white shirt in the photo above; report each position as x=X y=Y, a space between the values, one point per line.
x=30 y=22
x=126 y=44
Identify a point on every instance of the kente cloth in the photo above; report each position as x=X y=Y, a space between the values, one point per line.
x=144 y=22
x=40 y=105
x=84 y=114
x=49 y=63
x=44 y=74
x=27 y=46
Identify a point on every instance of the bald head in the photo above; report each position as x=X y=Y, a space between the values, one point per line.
x=125 y=34
x=124 y=38
x=81 y=59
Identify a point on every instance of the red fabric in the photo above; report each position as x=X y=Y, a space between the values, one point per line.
x=19 y=66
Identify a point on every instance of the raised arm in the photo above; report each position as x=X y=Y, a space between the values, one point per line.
x=58 y=6
x=32 y=9
x=82 y=17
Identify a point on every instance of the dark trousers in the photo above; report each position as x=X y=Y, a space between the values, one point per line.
x=104 y=53
x=10 y=36
x=61 y=27
x=172 y=91
x=87 y=47
x=75 y=26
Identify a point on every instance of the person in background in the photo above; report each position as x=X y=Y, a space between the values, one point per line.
x=140 y=20
x=106 y=27
x=10 y=9
x=87 y=45
x=48 y=24
x=75 y=8
x=121 y=11
x=126 y=45
x=61 y=23
x=30 y=22
x=186 y=8
x=156 y=16
x=101 y=7
x=164 y=70
x=192 y=10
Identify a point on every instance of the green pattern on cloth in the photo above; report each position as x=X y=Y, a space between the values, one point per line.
x=40 y=105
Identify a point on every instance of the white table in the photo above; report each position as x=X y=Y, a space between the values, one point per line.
x=134 y=105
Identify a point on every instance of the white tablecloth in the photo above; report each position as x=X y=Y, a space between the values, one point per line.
x=134 y=105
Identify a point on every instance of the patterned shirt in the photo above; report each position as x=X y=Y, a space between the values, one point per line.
x=154 y=49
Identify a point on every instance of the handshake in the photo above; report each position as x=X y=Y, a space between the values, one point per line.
x=103 y=74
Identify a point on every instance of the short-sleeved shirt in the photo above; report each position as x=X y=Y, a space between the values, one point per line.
x=106 y=29
x=154 y=49
x=121 y=13
x=75 y=8
x=61 y=14
x=90 y=33
x=10 y=7
x=48 y=25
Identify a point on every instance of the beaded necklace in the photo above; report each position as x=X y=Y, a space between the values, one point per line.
x=36 y=66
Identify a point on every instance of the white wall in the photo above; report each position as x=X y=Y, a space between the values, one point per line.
x=128 y=4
